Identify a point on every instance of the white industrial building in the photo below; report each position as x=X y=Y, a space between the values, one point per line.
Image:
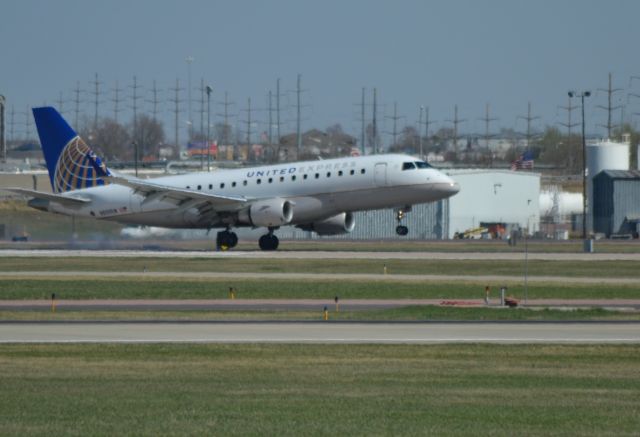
x=494 y=196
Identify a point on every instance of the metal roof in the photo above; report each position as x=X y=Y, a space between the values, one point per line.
x=621 y=174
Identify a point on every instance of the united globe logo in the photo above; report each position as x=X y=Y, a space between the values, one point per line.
x=75 y=168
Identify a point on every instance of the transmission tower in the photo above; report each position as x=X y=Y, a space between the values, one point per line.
x=569 y=125
x=487 y=121
x=528 y=118
x=154 y=100
x=12 y=124
x=456 y=121
x=299 y=92
x=203 y=92
x=134 y=106
x=27 y=124
x=3 y=138
x=60 y=103
x=427 y=122
x=116 y=101
x=225 y=117
x=248 y=121
x=176 y=112
x=76 y=101
x=96 y=99
x=395 y=117
x=374 y=122
x=609 y=108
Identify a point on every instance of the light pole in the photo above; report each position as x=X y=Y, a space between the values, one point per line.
x=209 y=89
x=582 y=95
x=420 y=136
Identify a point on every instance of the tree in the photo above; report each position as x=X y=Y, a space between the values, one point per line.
x=112 y=139
x=149 y=136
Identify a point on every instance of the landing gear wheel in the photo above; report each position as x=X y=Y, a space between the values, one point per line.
x=226 y=240
x=402 y=230
x=268 y=242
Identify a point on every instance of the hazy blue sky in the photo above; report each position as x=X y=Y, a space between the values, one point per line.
x=432 y=53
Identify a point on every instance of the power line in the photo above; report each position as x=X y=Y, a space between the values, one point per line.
x=609 y=108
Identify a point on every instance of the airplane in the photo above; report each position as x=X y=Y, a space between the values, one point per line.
x=319 y=196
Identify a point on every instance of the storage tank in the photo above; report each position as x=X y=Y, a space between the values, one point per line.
x=604 y=155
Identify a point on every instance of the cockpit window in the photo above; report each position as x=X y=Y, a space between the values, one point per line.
x=408 y=166
x=422 y=164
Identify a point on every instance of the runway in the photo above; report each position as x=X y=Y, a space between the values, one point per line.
x=283 y=254
x=320 y=332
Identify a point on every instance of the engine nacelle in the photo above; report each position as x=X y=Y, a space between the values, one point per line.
x=267 y=213
x=338 y=224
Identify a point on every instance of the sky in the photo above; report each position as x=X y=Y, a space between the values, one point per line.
x=435 y=54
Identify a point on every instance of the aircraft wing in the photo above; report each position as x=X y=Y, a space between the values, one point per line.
x=63 y=200
x=152 y=191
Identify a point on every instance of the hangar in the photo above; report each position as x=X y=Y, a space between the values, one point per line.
x=616 y=203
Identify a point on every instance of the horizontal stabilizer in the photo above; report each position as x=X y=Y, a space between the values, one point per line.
x=63 y=200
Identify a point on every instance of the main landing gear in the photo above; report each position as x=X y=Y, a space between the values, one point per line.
x=401 y=229
x=269 y=241
x=226 y=240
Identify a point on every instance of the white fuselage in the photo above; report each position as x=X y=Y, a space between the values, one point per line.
x=317 y=190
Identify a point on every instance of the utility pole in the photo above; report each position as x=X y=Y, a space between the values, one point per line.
x=209 y=89
x=134 y=106
x=116 y=102
x=298 y=119
x=77 y=101
x=3 y=138
x=456 y=121
x=374 y=122
x=529 y=118
x=609 y=108
x=176 y=112
x=154 y=101
x=189 y=60
x=362 y=121
x=96 y=100
x=395 y=118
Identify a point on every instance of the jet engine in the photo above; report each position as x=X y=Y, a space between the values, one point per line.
x=338 y=224
x=267 y=213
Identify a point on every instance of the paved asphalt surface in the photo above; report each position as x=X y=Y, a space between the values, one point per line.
x=13 y=253
x=320 y=332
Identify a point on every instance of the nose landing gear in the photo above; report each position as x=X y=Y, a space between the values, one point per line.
x=269 y=241
x=401 y=229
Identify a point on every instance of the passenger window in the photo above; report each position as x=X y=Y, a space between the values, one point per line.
x=340 y=173
x=258 y=181
x=199 y=187
x=305 y=176
x=317 y=175
x=244 y=182
x=222 y=185
x=293 y=178
x=211 y=186
x=281 y=178
x=362 y=171
x=408 y=166
x=270 y=180
x=328 y=174
x=188 y=187
x=352 y=172
x=233 y=184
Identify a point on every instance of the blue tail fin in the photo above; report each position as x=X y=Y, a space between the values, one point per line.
x=71 y=163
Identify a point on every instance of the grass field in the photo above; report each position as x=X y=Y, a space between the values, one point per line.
x=319 y=390
x=166 y=288
x=408 y=313
x=624 y=269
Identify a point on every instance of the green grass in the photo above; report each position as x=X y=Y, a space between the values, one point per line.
x=150 y=288
x=408 y=313
x=198 y=389
x=603 y=269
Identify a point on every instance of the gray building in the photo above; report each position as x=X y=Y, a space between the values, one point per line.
x=616 y=202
